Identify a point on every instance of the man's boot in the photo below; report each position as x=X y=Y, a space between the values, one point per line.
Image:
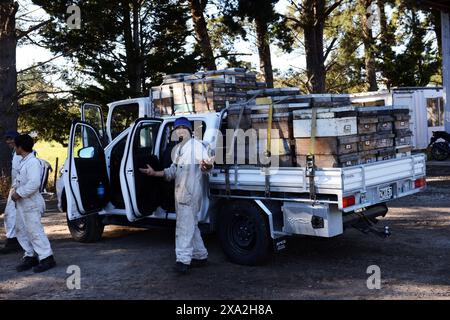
x=45 y=264
x=181 y=268
x=11 y=246
x=196 y=263
x=27 y=264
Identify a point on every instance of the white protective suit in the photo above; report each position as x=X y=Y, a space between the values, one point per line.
x=189 y=180
x=29 y=230
x=10 y=210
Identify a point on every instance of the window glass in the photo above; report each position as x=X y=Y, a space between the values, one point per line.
x=93 y=116
x=435 y=112
x=146 y=136
x=122 y=117
x=86 y=144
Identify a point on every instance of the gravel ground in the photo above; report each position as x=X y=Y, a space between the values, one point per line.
x=137 y=264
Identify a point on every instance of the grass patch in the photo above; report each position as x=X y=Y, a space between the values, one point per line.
x=48 y=151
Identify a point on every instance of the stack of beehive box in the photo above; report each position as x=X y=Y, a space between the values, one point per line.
x=336 y=136
x=347 y=136
x=254 y=114
x=403 y=134
x=202 y=91
x=344 y=136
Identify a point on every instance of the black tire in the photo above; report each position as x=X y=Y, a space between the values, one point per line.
x=440 y=151
x=87 y=229
x=244 y=233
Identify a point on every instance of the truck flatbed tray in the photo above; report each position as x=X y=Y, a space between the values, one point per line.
x=360 y=179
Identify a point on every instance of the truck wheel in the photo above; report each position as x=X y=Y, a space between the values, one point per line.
x=439 y=151
x=244 y=234
x=86 y=229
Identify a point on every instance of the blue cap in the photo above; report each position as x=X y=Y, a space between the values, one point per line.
x=11 y=134
x=183 y=122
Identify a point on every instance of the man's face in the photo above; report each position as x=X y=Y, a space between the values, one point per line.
x=10 y=142
x=19 y=151
x=182 y=133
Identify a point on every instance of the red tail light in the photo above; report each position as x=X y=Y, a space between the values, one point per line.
x=348 y=201
x=420 y=183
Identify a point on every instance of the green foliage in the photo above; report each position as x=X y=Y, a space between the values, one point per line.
x=101 y=52
x=43 y=108
x=417 y=64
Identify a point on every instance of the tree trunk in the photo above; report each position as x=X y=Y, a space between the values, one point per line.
x=265 y=61
x=139 y=66
x=8 y=79
x=369 y=45
x=387 y=40
x=313 y=27
x=132 y=49
x=201 y=32
x=436 y=22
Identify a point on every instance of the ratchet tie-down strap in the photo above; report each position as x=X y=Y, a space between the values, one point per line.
x=268 y=153
x=310 y=161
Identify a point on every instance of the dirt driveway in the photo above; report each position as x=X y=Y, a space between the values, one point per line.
x=137 y=264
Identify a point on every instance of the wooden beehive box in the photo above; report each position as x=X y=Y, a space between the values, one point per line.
x=330 y=161
x=233 y=117
x=330 y=122
x=375 y=119
x=403 y=151
x=376 y=141
x=331 y=145
x=403 y=137
x=162 y=99
x=386 y=153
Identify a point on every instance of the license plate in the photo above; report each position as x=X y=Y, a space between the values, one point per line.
x=385 y=193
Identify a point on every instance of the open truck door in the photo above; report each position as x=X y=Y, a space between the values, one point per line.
x=92 y=114
x=142 y=194
x=86 y=180
x=122 y=114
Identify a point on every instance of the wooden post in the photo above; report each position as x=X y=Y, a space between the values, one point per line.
x=445 y=18
x=56 y=174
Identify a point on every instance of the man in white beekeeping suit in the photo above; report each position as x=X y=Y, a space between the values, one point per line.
x=190 y=162
x=30 y=206
x=11 y=244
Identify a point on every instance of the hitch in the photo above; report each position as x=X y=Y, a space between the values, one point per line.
x=367 y=225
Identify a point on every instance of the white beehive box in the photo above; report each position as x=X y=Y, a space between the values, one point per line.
x=330 y=122
x=330 y=127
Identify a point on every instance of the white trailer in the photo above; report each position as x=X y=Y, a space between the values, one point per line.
x=252 y=208
x=425 y=103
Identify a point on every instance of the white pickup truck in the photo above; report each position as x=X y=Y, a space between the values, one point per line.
x=253 y=209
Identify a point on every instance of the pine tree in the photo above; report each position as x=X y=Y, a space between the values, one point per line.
x=123 y=47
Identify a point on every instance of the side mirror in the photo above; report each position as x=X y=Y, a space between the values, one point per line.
x=86 y=153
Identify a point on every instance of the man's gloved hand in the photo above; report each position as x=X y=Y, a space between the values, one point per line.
x=206 y=165
x=148 y=171
x=15 y=196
